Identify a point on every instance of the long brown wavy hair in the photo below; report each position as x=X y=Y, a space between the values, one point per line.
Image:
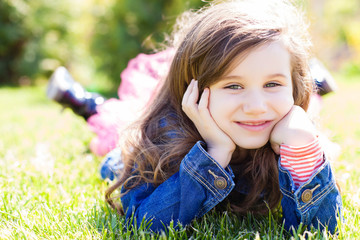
x=206 y=43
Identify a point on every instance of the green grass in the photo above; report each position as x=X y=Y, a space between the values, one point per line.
x=50 y=188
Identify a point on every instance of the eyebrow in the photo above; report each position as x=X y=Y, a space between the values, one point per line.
x=275 y=75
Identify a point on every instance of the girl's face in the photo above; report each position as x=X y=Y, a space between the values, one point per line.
x=248 y=101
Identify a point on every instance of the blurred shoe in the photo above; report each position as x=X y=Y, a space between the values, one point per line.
x=324 y=81
x=63 y=89
x=112 y=165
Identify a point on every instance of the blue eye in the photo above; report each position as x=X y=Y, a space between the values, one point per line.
x=272 y=84
x=234 y=87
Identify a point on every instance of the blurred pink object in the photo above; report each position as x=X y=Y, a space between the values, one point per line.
x=139 y=82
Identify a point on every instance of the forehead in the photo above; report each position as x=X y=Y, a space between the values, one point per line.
x=268 y=58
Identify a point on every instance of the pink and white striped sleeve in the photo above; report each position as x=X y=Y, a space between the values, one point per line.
x=302 y=161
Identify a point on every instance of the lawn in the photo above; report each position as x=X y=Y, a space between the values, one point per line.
x=50 y=186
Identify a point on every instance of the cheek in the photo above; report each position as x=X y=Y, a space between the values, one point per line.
x=216 y=106
x=213 y=105
x=282 y=102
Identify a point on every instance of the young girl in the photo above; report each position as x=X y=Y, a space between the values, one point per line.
x=228 y=126
x=139 y=81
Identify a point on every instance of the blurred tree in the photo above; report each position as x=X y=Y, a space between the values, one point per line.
x=129 y=27
x=13 y=37
x=96 y=38
x=34 y=38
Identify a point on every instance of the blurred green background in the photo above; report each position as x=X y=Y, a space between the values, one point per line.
x=49 y=182
x=96 y=38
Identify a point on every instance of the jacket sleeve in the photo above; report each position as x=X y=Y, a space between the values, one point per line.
x=199 y=185
x=317 y=202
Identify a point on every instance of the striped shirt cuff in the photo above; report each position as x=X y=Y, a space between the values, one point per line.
x=302 y=161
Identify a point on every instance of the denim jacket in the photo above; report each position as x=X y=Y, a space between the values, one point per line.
x=201 y=183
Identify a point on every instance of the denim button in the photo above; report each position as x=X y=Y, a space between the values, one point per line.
x=308 y=193
x=306 y=196
x=220 y=183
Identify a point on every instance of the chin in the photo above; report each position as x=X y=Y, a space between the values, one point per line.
x=249 y=145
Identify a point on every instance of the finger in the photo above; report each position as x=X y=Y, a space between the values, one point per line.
x=204 y=99
x=203 y=108
x=194 y=95
x=187 y=93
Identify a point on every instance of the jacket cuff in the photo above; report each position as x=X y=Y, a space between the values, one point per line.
x=312 y=192
x=208 y=172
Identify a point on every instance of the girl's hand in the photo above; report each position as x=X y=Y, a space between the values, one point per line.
x=220 y=146
x=295 y=129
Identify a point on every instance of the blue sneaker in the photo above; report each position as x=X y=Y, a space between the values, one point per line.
x=111 y=165
x=62 y=88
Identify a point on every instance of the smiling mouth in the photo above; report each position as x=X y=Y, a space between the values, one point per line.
x=254 y=125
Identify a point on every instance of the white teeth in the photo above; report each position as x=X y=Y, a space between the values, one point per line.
x=253 y=124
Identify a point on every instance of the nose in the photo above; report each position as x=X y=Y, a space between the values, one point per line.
x=255 y=103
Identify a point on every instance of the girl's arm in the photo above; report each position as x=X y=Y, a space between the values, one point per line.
x=219 y=145
x=310 y=194
x=199 y=185
x=302 y=161
x=317 y=202
x=295 y=139
x=204 y=178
